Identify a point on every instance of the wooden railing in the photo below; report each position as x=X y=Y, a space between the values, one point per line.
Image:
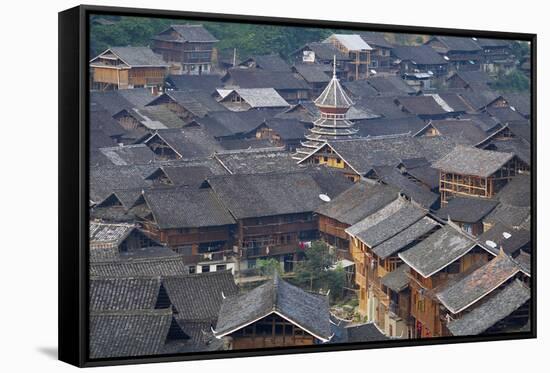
x=279 y=228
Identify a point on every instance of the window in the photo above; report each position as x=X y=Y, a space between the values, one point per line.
x=205 y=269
x=221 y=267
x=325 y=159
x=338 y=161
x=192 y=269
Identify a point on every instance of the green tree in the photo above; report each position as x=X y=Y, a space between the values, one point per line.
x=317 y=271
x=268 y=267
x=520 y=49
x=513 y=81
x=248 y=39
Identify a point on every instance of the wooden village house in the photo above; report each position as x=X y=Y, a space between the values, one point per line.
x=381 y=53
x=375 y=243
x=200 y=229
x=323 y=54
x=357 y=50
x=188 y=48
x=496 y=296
x=126 y=68
x=463 y=54
x=279 y=223
x=472 y=172
x=362 y=199
x=457 y=254
x=275 y=314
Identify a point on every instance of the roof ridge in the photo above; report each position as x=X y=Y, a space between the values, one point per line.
x=275 y=290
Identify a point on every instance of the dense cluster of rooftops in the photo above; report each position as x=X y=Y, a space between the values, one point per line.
x=199 y=167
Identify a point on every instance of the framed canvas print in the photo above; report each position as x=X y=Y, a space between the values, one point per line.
x=236 y=186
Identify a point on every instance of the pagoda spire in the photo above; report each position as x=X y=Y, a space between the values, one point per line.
x=334 y=96
x=332 y=123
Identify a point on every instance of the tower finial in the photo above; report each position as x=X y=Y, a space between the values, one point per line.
x=334 y=67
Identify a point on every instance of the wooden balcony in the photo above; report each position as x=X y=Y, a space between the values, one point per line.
x=333 y=231
x=279 y=228
x=176 y=239
x=273 y=250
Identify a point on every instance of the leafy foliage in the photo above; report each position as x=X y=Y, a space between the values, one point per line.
x=513 y=81
x=315 y=272
x=520 y=49
x=248 y=39
x=268 y=267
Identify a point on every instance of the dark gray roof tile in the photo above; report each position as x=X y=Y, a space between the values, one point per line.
x=199 y=296
x=128 y=333
x=478 y=284
x=438 y=250
x=496 y=307
x=309 y=311
x=196 y=208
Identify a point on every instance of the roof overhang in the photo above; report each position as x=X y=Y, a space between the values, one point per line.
x=273 y=311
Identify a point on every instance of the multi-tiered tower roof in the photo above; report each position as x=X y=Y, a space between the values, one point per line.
x=333 y=104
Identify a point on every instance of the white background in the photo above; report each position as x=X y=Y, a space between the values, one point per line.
x=28 y=183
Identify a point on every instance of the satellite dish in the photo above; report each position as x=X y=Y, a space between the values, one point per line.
x=324 y=198
x=491 y=244
x=506 y=235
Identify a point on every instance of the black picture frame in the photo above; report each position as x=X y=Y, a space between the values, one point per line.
x=73 y=182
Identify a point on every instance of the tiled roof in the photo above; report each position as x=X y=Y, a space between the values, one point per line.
x=257 y=161
x=188 y=142
x=260 y=97
x=351 y=42
x=128 y=154
x=387 y=226
x=496 y=307
x=196 y=208
x=359 y=201
x=365 y=153
x=375 y=39
x=154 y=266
x=104 y=234
x=390 y=85
x=478 y=284
x=438 y=250
x=368 y=332
x=188 y=33
x=123 y=293
x=309 y=311
x=314 y=73
x=270 y=62
x=414 y=190
x=270 y=194
x=398 y=279
x=138 y=56
x=257 y=78
x=405 y=238
x=509 y=239
x=467 y=160
x=419 y=55
x=459 y=44
x=325 y=51
x=199 y=296
x=128 y=333
x=207 y=83
x=466 y=210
